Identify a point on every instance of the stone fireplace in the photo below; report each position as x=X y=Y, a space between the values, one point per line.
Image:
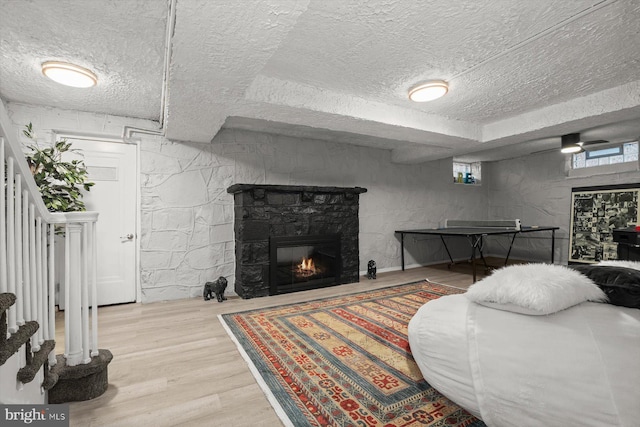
x=291 y=238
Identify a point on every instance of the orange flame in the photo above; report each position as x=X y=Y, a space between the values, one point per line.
x=307 y=265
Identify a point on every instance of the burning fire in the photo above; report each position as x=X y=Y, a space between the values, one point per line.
x=307 y=265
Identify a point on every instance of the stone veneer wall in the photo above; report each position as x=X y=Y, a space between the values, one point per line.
x=187 y=216
x=264 y=211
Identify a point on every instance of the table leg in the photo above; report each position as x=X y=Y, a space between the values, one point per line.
x=446 y=248
x=553 y=244
x=402 y=249
x=480 y=245
x=509 y=251
x=473 y=257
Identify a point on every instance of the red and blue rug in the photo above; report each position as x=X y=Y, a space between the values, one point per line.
x=345 y=361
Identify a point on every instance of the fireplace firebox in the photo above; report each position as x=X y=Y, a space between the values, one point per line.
x=298 y=263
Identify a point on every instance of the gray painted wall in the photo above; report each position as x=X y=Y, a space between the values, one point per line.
x=537 y=190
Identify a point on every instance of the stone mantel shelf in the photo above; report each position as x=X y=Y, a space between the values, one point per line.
x=239 y=188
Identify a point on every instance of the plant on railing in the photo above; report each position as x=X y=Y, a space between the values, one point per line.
x=59 y=182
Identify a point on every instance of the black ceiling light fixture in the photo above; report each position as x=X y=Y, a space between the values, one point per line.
x=571 y=143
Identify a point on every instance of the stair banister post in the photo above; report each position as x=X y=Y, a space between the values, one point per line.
x=35 y=344
x=26 y=283
x=86 y=358
x=44 y=284
x=67 y=272
x=94 y=289
x=23 y=292
x=11 y=245
x=3 y=222
x=52 y=291
x=40 y=317
x=73 y=291
x=19 y=251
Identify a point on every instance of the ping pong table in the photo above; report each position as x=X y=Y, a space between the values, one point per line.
x=475 y=232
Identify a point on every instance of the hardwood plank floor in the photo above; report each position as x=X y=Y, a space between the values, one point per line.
x=174 y=364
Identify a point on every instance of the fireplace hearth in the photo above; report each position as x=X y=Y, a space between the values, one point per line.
x=313 y=231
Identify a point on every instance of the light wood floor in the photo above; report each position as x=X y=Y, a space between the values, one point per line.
x=174 y=364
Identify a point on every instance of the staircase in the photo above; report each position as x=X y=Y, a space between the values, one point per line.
x=30 y=371
x=10 y=346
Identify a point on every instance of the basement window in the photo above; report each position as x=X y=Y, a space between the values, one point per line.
x=623 y=153
x=467 y=172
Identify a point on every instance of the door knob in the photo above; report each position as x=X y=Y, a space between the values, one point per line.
x=128 y=237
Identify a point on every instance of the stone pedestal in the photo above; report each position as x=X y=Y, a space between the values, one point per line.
x=263 y=211
x=80 y=382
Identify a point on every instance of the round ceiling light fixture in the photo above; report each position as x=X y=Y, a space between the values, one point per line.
x=69 y=74
x=429 y=91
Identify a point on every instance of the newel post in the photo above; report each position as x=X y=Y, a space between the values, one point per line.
x=82 y=372
x=73 y=290
x=79 y=271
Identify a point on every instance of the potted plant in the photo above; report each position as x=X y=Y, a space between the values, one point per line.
x=59 y=182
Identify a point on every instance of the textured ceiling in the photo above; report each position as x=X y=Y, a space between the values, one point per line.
x=520 y=73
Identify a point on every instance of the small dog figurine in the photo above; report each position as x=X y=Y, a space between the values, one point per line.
x=371 y=269
x=215 y=288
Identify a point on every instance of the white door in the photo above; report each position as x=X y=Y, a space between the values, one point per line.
x=113 y=168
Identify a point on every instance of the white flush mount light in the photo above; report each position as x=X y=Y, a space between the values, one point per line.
x=69 y=74
x=429 y=91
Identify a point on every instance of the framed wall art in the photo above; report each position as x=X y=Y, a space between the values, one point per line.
x=595 y=212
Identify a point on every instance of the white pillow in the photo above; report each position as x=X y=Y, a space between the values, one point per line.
x=535 y=289
x=620 y=263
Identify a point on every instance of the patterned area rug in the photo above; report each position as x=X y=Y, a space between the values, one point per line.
x=345 y=361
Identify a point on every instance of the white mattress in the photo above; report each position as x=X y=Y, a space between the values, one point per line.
x=576 y=367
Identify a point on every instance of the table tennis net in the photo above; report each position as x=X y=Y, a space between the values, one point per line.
x=503 y=223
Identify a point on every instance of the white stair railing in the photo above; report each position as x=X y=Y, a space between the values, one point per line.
x=27 y=260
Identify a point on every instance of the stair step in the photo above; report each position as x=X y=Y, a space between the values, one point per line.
x=6 y=301
x=27 y=373
x=17 y=340
x=9 y=346
x=80 y=382
x=50 y=379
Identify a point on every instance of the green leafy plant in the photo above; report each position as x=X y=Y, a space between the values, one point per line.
x=60 y=182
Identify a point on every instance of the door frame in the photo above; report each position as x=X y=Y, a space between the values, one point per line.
x=57 y=135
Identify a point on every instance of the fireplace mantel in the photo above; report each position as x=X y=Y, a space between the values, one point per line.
x=238 y=188
x=263 y=211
